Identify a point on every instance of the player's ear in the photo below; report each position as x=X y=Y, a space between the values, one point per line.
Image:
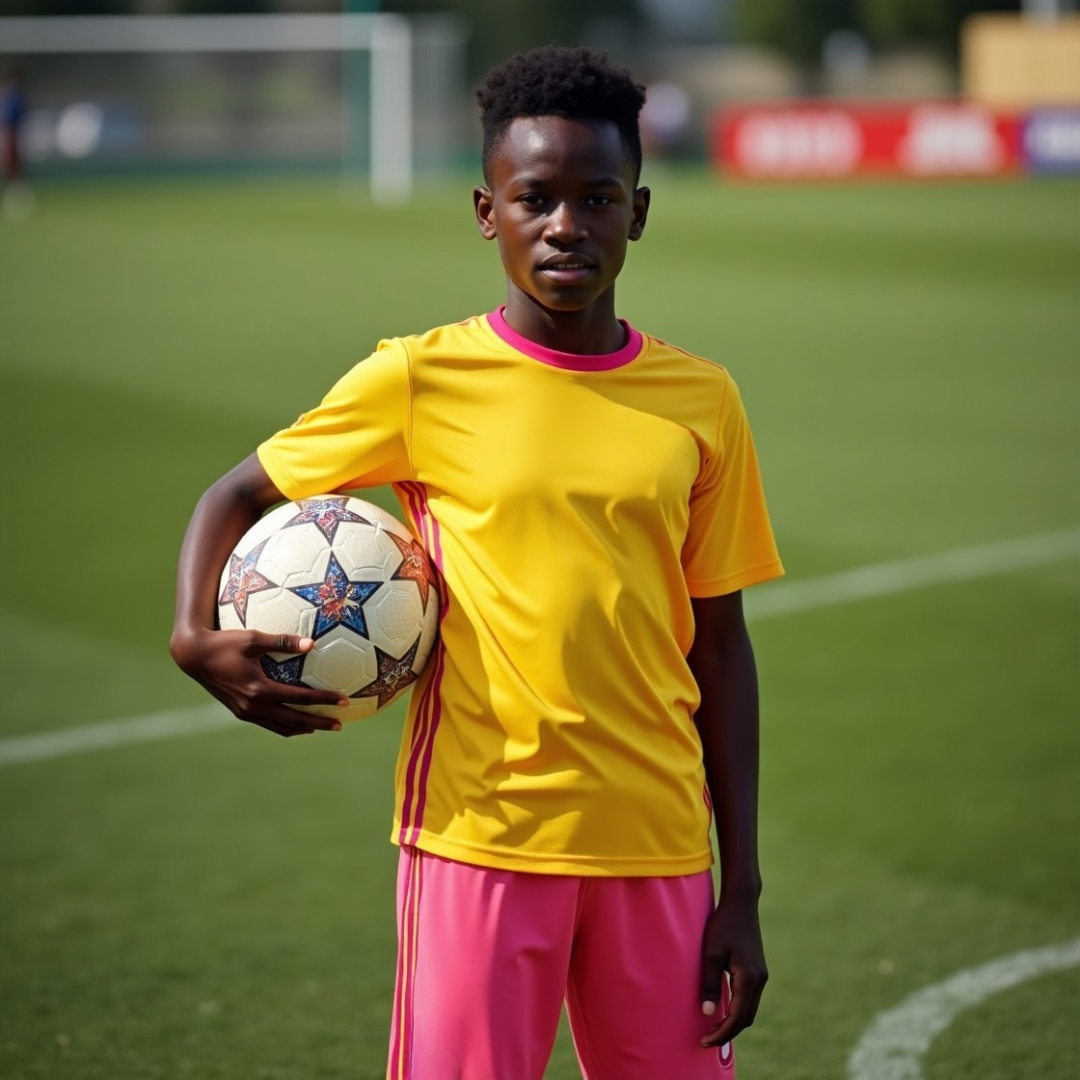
x=484 y=205
x=639 y=212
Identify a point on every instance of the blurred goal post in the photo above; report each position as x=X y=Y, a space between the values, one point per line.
x=386 y=39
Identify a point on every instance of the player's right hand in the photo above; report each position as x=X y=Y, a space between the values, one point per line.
x=227 y=663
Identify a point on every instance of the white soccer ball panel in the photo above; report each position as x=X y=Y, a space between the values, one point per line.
x=295 y=556
x=394 y=616
x=365 y=552
x=280 y=612
x=342 y=661
x=378 y=516
x=308 y=577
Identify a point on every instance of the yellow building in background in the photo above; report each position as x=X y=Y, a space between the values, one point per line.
x=1017 y=62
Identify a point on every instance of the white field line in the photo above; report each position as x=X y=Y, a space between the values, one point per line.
x=135 y=729
x=893 y=1046
x=783 y=598
x=906 y=575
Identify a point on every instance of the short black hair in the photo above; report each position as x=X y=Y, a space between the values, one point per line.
x=575 y=83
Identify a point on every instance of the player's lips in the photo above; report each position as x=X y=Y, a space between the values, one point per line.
x=567 y=268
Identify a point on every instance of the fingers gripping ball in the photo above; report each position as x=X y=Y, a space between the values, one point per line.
x=350 y=576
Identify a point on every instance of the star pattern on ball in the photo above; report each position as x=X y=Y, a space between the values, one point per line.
x=394 y=675
x=326 y=515
x=244 y=580
x=284 y=671
x=340 y=602
x=415 y=566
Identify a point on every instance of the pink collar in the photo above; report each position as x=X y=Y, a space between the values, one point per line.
x=573 y=361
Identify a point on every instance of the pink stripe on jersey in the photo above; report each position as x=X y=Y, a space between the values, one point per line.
x=425 y=523
x=414 y=493
x=428 y=747
x=571 y=361
x=408 y=491
x=427 y=718
x=436 y=681
x=429 y=711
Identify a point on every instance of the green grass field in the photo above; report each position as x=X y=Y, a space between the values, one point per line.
x=219 y=906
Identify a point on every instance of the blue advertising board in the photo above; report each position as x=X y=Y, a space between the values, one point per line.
x=1051 y=140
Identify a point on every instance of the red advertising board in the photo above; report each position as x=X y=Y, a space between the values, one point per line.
x=833 y=140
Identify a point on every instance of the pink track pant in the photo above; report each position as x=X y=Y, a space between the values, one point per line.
x=486 y=958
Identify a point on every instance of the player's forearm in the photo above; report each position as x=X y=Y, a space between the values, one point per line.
x=723 y=663
x=225 y=512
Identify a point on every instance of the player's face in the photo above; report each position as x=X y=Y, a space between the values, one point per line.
x=562 y=204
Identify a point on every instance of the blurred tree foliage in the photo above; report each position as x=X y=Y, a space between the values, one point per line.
x=500 y=27
x=66 y=7
x=142 y=7
x=797 y=28
x=232 y=7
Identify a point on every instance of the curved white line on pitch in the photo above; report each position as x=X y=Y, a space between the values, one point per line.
x=894 y=1045
x=783 y=598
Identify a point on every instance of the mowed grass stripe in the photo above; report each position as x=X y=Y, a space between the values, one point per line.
x=868 y=582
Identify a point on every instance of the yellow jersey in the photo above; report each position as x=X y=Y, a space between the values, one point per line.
x=573 y=506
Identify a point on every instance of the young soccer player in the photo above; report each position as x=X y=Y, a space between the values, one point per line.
x=591 y=498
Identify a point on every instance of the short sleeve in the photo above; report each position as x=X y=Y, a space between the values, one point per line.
x=358 y=436
x=729 y=543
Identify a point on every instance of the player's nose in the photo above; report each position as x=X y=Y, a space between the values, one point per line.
x=563 y=225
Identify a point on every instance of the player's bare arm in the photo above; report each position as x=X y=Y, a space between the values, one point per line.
x=722 y=661
x=227 y=662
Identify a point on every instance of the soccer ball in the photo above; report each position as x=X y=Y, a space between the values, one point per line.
x=350 y=576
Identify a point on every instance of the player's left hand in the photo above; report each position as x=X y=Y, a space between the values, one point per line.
x=732 y=944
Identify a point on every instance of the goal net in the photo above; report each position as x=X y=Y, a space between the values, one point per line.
x=374 y=95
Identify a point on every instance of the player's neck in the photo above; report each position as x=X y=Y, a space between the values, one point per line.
x=590 y=331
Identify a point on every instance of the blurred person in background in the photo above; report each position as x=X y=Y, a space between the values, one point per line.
x=18 y=197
